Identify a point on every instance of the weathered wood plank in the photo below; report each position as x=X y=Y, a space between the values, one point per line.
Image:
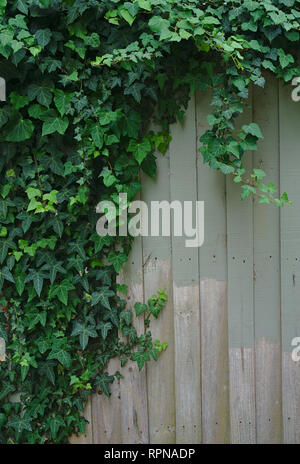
x=158 y=274
x=289 y=118
x=106 y=412
x=185 y=262
x=133 y=387
x=240 y=309
x=266 y=273
x=213 y=294
x=2 y=349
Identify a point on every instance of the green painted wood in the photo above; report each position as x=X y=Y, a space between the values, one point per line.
x=267 y=273
x=289 y=121
x=157 y=270
x=186 y=297
x=213 y=294
x=240 y=308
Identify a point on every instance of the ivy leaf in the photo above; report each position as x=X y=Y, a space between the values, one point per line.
x=140 y=308
x=22 y=6
x=126 y=316
x=102 y=297
x=117 y=260
x=84 y=332
x=62 y=100
x=104 y=328
x=61 y=355
x=6 y=274
x=43 y=37
x=61 y=290
x=159 y=25
x=47 y=369
x=127 y=16
x=97 y=135
x=54 y=123
x=54 y=268
x=20 y=131
x=284 y=58
x=141 y=357
x=55 y=423
x=103 y=382
x=139 y=150
x=42 y=92
x=4 y=246
x=253 y=129
x=37 y=276
x=20 y=423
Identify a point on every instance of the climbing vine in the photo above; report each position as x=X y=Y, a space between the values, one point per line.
x=86 y=81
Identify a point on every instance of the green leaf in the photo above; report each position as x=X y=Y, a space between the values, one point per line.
x=117 y=260
x=160 y=26
x=38 y=280
x=140 y=150
x=54 y=123
x=104 y=382
x=102 y=296
x=62 y=100
x=85 y=332
x=4 y=246
x=21 y=130
x=61 y=290
x=43 y=37
x=140 y=308
x=20 y=282
x=126 y=316
x=55 y=424
x=20 y=423
x=253 y=129
x=127 y=16
x=42 y=92
x=61 y=355
x=105 y=327
x=141 y=358
x=145 y=4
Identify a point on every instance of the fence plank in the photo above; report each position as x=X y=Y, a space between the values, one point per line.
x=106 y=412
x=213 y=294
x=183 y=187
x=290 y=261
x=267 y=273
x=158 y=274
x=240 y=309
x=133 y=387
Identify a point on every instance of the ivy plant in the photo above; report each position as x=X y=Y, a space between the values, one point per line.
x=87 y=80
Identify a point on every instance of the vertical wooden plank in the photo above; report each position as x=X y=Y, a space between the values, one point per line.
x=240 y=309
x=183 y=187
x=2 y=349
x=266 y=273
x=133 y=387
x=158 y=274
x=213 y=294
x=289 y=118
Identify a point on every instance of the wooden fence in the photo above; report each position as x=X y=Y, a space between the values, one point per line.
x=233 y=304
